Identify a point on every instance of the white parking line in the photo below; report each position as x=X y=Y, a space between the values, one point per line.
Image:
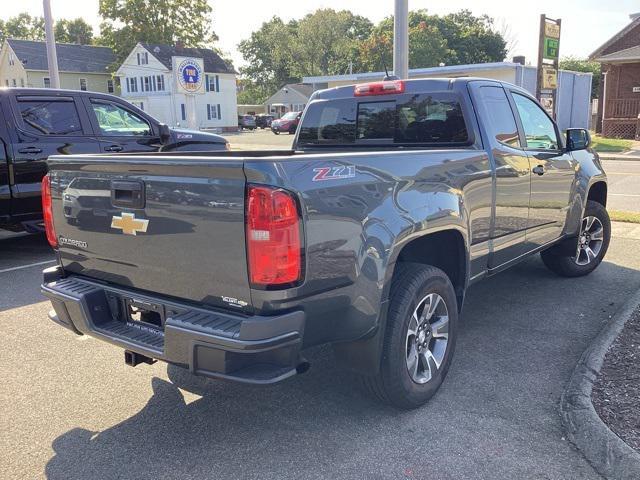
x=624 y=195
x=13 y=269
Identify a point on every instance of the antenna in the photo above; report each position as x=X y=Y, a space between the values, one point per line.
x=387 y=77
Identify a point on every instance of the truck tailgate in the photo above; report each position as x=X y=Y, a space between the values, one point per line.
x=184 y=237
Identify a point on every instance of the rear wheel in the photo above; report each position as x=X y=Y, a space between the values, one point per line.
x=592 y=245
x=419 y=338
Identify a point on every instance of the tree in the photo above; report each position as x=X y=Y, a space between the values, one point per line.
x=269 y=59
x=470 y=39
x=427 y=46
x=579 y=65
x=127 y=22
x=454 y=39
x=322 y=43
x=22 y=26
x=73 y=31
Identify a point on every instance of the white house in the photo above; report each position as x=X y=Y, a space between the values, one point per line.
x=292 y=97
x=189 y=87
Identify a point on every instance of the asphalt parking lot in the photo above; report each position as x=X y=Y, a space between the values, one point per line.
x=72 y=409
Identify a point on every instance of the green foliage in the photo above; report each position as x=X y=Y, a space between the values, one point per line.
x=73 y=31
x=321 y=43
x=580 y=65
x=329 y=42
x=22 y=26
x=127 y=22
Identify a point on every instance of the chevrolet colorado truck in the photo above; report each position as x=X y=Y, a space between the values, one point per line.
x=39 y=122
x=396 y=197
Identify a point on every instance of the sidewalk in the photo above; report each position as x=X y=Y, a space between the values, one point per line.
x=631 y=154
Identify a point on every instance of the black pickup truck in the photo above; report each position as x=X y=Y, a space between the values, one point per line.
x=37 y=123
x=396 y=197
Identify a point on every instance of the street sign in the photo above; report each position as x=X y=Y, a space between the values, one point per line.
x=549 y=78
x=551 y=48
x=548 y=55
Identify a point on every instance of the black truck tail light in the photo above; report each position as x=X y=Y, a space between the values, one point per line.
x=47 y=211
x=274 y=247
x=390 y=87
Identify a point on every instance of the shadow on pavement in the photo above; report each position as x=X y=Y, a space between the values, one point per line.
x=495 y=416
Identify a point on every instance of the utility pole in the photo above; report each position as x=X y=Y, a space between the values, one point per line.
x=52 y=57
x=401 y=39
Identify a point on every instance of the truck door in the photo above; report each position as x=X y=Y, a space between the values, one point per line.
x=121 y=129
x=45 y=125
x=5 y=188
x=512 y=172
x=553 y=173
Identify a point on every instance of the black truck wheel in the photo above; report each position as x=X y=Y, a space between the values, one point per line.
x=592 y=245
x=419 y=338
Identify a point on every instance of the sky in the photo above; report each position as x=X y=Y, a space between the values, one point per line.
x=586 y=24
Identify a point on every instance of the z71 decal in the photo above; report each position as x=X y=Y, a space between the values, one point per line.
x=334 y=173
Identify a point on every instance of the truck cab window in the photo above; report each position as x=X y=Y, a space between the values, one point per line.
x=50 y=117
x=502 y=123
x=430 y=120
x=538 y=127
x=116 y=121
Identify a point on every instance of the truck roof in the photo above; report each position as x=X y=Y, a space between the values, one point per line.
x=420 y=85
x=52 y=92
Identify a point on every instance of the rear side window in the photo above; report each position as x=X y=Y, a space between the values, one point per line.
x=430 y=119
x=50 y=117
x=502 y=123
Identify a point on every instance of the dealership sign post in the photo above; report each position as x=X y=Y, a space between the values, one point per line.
x=189 y=76
x=548 y=55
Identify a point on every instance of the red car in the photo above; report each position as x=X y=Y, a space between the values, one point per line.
x=288 y=123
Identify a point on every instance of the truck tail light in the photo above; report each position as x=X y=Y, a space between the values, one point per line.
x=390 y=87
x=274 y=248
x=47 y=211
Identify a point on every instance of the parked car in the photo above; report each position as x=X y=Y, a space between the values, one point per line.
x=41 y=122
x=264 y=121
x=395 y=198
x=246 y=122
x=288 y=123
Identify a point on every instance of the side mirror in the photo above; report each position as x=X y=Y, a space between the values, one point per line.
x=165 y=133
x=578 y=139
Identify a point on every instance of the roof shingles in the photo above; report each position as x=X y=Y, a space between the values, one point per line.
x=71 y=57
x=213 y=63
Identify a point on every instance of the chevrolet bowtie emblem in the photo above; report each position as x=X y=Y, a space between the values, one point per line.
x=129 y=224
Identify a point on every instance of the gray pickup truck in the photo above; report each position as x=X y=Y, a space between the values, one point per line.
x=396 y=197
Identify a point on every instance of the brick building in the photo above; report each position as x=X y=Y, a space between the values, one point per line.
x=619 y=106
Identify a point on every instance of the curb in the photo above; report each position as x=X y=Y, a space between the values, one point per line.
x=604 y=450
x=619 y=158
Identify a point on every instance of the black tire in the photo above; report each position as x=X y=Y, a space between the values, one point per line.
x=394 y=384
x=276 y=132
x=566 y=265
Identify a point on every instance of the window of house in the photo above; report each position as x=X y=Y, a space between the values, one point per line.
x=183 y=111
x=212 y=112
x=110 y=88
x=160 y=82
x=14 y=83
x=212 y=83
x=147 y=84
x=46 y=82
x=539 y=130
x=50 y=117
x=132 y=84
x=117 y=121
x=502 y=123
x=83 y=84
x=143 y=58
x=12 y=59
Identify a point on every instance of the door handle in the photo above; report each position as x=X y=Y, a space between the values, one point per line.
x=128 y=194
x=113 y=148
x=539 y=170
x=30 y=150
